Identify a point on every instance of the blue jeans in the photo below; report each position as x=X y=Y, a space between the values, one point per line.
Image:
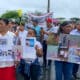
x=75 y=69
x=30 y=71
x=35 y=72
x=63 y=70
x=44 y=53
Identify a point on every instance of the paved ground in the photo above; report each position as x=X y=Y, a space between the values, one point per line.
x=46 y=74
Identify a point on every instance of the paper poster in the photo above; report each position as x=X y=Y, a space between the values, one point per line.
x=52 y=52
x=68 y=49
x=52 y=48
x=53 y=39
x=29 y=51
x=17 y=50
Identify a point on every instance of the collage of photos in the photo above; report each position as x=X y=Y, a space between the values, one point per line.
x=67 y=49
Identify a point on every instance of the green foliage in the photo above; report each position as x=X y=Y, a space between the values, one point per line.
x=10 y=14
x=75 y=19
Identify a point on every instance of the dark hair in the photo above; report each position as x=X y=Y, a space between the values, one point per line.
x=22 y=23
x=35 y=20
x=12 y=22
x=78 y=23
x=34 y=31
x=64 y=24
x=6 y=21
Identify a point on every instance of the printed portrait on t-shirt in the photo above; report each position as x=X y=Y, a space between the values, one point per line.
x=3 y=41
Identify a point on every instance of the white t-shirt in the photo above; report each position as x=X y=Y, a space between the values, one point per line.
x=56 y=29
x=22 y=36
x=75 y=32
x=26 y=50
x=6 y=46
x=30 y=52
x=52 y=30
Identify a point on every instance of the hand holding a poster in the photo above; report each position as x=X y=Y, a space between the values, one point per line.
x=17 y=52
x=38 y=51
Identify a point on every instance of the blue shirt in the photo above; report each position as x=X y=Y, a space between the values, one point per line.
x=37 y=29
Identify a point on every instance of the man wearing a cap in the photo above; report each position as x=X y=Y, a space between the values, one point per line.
x=49 y=29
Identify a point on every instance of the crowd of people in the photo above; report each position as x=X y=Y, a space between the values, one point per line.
x=32 y=70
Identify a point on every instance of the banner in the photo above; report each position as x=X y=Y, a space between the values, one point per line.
x=41 y=19
x=41 y=16
x=67 y=49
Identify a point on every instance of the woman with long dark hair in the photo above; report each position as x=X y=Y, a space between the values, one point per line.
x=64 y=69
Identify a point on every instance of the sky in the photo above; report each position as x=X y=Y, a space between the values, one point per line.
x=60 y=8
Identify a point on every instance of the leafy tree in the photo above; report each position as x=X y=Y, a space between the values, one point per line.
x=10 y=14
x=75 y=19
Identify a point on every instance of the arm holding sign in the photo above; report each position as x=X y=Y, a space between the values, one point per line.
x=39 y=51
x=17 y=54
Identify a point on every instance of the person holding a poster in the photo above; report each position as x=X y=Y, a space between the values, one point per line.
x=32 y=49
x=64 y=69
x=7 y=66
x=76 y=32
x=46 y=31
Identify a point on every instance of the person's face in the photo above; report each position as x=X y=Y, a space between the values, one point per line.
x=10 y=25
x=31 y=33
x=67 y=29
x=34 y=24
x=78 y=27
x=3 y=26
x=73 y=25
x=21 y=27
x=49 y=25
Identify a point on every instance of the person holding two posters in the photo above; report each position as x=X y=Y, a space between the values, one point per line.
x=64 y=69
x=46 y=31
x=76 y=32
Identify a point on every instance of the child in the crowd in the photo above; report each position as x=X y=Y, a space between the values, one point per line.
x=31 y=70
x=7 y=66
